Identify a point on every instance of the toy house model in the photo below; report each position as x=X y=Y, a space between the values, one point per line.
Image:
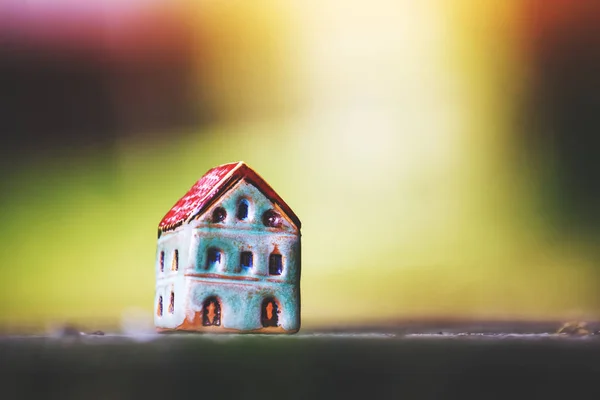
x=228 y=258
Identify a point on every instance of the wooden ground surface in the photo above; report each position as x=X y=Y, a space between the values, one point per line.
x=409 y=362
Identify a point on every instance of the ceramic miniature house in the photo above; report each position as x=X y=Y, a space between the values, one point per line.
x=228 y=258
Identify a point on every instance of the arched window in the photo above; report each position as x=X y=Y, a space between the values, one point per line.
x=242 y=211
x=275 y=264
x=159 y=308
x=211 y=312
x=172 y=303
x=269 y=315
x=213 y=257
x=219 y=215
x=175 y=263
x=161 y=261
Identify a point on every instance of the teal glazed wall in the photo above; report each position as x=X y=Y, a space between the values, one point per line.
x=240 y=291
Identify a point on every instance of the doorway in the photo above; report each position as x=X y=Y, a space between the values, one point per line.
x=269 y=313
x=211 y=312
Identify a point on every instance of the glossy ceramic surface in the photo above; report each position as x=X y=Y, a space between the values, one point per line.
x=228 y=258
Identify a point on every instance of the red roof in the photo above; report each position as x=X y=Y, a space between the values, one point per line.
x=211 y=186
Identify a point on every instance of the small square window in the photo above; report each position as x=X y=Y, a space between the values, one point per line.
x=275 y=264
x=246 y=259
x=213 y=257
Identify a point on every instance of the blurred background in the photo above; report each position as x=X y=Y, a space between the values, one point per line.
x=443 y=156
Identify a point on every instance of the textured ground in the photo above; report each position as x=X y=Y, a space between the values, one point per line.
x=389 y=363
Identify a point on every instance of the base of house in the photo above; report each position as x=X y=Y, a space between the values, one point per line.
x=218 y=329
x=196 y=326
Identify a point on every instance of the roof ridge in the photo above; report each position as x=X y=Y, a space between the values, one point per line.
x=211 y=186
